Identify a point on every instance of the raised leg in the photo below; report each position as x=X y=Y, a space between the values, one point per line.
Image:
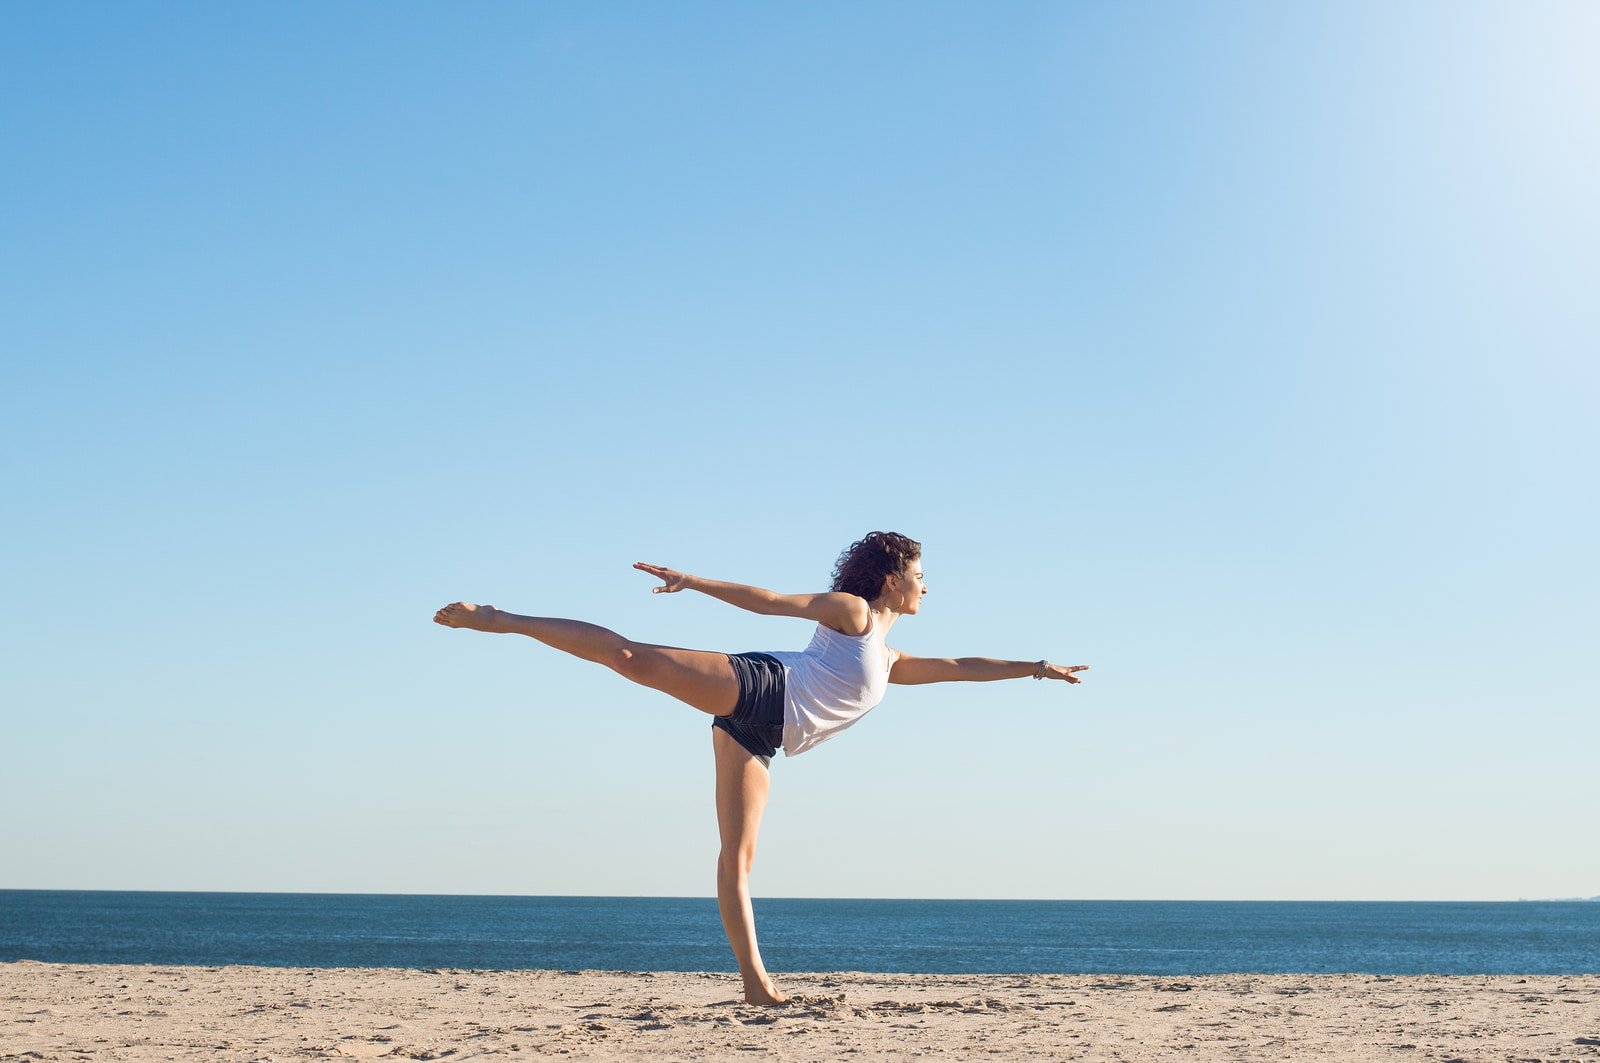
x=742 y=783
x=696 y=677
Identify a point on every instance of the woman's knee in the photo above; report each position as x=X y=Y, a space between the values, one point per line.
x=737 y=862
x=626 y=660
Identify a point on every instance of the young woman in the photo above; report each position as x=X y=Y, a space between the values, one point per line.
x=760 y=702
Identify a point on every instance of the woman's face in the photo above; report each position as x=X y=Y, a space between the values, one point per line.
x=908 y=584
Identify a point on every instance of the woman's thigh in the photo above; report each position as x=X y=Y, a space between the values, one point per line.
x=700 y=678
x=742 y=785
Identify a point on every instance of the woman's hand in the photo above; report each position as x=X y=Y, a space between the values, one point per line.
x=673 y=580
x=1060 y=671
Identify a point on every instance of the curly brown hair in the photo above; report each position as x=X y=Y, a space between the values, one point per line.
x=862 y=567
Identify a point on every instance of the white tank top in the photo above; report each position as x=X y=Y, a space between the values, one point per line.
x=831 y=684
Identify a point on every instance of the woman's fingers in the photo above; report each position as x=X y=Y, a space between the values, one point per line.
x=671 y=580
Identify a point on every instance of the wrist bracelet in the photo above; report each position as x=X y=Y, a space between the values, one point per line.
x=1038 y=672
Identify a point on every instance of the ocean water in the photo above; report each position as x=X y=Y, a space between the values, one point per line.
x=685 y=934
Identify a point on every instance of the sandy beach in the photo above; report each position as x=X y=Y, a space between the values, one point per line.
x=76 y=1012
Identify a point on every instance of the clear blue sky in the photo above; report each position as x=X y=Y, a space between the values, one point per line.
x=1245 y=352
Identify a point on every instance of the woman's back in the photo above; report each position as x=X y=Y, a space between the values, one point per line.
x=831 y=684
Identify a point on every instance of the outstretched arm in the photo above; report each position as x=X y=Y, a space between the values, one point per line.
x=910 y=670
x=847 y=612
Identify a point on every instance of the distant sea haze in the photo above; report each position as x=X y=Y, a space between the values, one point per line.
x=1559 y=899
x=685 y=934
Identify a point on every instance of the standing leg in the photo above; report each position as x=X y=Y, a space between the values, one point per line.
x=697 y=677
x=742 y=783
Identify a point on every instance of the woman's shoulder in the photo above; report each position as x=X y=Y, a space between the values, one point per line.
x=854 y=619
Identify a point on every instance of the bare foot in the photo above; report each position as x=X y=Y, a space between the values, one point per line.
x=764 y=993
x=465 y=614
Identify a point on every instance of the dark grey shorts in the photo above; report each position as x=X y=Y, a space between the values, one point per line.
x=756 y=722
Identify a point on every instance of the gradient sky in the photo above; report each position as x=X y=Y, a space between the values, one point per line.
x=1245 y=352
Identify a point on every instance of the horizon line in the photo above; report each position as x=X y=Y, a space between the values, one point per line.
x=706 y=897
